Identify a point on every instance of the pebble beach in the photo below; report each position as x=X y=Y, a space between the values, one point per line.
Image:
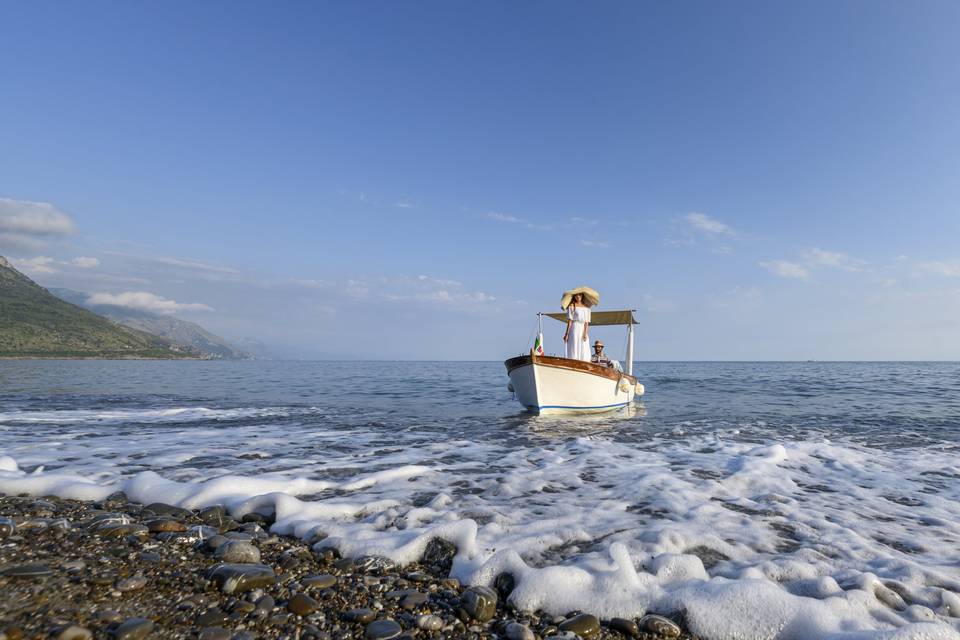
x=114 y=568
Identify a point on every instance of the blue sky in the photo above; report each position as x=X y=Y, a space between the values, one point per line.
x=415 y=180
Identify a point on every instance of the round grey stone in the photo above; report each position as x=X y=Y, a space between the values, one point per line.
x=382 y=630
x=658 y=625
x=237 y=551
x=133 y=629
x=430 y=623
x=517 y=631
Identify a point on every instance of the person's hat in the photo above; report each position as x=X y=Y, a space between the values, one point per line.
x=590 y=297
x=598 y=344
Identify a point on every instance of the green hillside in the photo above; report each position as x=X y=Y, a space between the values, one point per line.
x=35 y=323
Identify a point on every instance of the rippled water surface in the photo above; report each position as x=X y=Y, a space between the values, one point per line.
x=807 y=488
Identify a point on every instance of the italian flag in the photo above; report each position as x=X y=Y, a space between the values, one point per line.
x=538 y=345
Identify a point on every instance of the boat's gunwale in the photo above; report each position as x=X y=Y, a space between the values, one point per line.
x=567 y=363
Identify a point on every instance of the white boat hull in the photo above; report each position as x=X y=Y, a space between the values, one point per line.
x=548 y=385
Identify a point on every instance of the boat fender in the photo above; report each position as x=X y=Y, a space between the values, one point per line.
x=510 y=387
x=640 y=389
x=624 y=385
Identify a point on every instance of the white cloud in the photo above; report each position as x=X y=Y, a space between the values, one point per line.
x=505 y=217
x=835 y=259
x=786 y=269
x=145 y=301
x=403 y=204
x=40 y=264
x=705 y=224
x=511 y=219
x=33 y=218
x=85 y=262
x=948 y=268
x=19 y=243
x=587 y=222
x=195 y=265
x=595 y=243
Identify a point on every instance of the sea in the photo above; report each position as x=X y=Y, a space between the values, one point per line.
x=754 y=499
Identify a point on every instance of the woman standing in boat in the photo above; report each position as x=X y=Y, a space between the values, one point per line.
x=576 y=336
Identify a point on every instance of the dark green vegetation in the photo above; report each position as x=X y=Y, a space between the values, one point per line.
x=35 y=323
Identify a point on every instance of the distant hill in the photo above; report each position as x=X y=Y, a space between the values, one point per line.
x=178 y=331
x=35 y=323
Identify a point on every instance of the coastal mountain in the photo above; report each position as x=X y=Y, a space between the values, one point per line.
x=181 y=332
x=35 y=323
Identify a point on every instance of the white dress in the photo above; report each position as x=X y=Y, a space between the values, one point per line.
x=577 y=347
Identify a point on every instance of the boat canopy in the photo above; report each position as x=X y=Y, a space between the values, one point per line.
x=602 y=318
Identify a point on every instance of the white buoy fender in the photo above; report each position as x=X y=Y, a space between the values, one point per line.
x=624 y=386
x=640 y=389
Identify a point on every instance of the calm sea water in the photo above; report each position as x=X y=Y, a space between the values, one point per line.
x=790 y=474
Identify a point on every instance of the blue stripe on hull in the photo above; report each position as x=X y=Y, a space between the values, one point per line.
x=604 y=406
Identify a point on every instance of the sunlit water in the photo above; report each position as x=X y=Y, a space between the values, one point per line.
x=765 y=499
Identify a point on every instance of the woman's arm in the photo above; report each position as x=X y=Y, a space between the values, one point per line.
x=586 y=328
x=566 y=334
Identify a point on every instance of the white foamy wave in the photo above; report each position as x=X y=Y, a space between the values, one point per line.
x=107 y=416
x=789 y=540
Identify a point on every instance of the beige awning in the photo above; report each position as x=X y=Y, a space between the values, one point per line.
x=602 y=318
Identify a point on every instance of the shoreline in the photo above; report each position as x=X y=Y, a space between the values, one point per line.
x=75 y=570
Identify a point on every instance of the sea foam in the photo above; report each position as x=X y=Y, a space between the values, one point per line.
x=808 y=539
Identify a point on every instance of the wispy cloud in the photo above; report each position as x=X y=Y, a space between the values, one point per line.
x=821 y=258
x=595 y=243
x=948 y=268
x=145 y=301
x=786 y=269
x=511 y=219
x=702 y=223
x=403 y=204
x=194 y=265
x=37 y=265
x=85 y=262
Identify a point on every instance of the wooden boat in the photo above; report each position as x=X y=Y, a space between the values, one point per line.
x=550 y=384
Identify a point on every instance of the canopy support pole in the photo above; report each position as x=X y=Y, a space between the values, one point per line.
x=630 y=349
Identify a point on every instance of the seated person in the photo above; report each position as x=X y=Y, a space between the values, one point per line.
x=599 y=357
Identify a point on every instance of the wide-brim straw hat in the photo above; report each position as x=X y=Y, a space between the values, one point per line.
x=590 y=297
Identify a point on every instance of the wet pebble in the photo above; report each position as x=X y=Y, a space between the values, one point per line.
x=214 y=516
x=211 y=617
x=75 y=632
x=238 y=578
x=658 y=625
x=319 y=581
x=214 y=633
x=584 y=625
x=7 y=527
x=413 y=600
x=164 y=525
x=480 y=603
x=302 y=605
x=517 y=631
x=133 y=629
x=430 y=622
x=132 y=584
x=363 y=616
x=264 y=606
x=162 y=509
x=238 y=551
x=382 y=630
x=32 y=570
x=628 y=628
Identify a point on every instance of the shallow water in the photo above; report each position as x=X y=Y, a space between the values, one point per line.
x=801 y=493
